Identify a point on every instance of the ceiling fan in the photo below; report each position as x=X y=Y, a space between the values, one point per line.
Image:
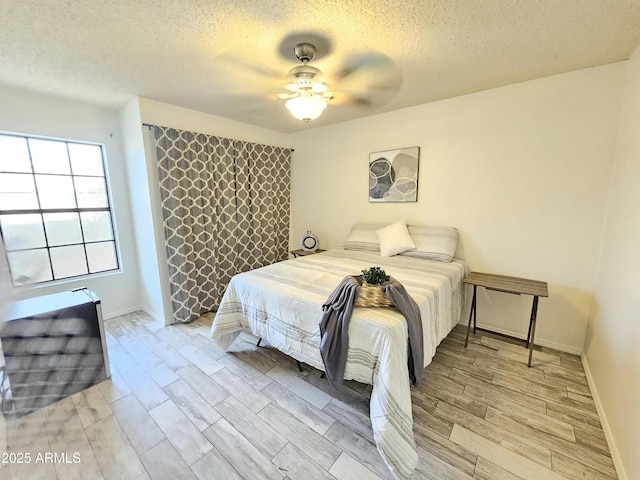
x=351 y=78
x=308 y=94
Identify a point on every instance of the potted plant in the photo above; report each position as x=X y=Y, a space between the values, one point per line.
x=371 y=295
x=374 y=276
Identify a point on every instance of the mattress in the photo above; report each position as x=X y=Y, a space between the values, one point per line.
x=282 y=304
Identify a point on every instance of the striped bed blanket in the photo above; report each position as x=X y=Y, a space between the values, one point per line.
x=282 y=303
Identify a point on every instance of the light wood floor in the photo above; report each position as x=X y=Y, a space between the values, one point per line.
x=177 y=407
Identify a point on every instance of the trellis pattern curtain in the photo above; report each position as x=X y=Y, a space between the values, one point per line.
x=226 y=209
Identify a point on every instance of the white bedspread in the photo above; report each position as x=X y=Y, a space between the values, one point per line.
x=281 y=303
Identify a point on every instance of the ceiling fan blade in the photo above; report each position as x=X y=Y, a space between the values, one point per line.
x=366 y=79
x=359 y=101
x=339 y=98
x=238 y=68
x=367 y=62
x=246 y=103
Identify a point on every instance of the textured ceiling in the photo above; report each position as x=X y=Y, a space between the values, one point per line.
x=230 y=58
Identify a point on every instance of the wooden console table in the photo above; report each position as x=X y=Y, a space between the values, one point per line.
x=514 y=285
x=304 y=253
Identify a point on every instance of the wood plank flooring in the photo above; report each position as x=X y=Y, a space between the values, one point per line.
x=179 y=407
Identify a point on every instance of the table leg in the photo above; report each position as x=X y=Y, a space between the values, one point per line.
x=475 y=309
x=472 y=312
x=532 y=327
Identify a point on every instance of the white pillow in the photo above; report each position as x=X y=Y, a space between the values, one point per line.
x=394 y=239
x=433 y=243
x=363 y=237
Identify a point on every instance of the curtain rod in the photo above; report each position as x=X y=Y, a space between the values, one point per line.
x=151 y=125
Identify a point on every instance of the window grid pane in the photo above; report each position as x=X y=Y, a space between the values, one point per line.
x=101 y=256
x=86 y=160
x=15 y=154
x=55 y=191
x=62 y=185
x=22 y=232
x=62 y=228
x=69 y=261
x=18 y=192
x=96 y=226
x=30 y=266
x=91 y=192
x=49 y=156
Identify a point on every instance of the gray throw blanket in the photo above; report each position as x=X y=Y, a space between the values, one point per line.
x=334 y=327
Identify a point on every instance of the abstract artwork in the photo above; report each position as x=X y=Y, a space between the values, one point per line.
x=393 y=175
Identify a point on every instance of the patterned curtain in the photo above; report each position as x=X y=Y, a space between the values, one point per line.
x=226 y=209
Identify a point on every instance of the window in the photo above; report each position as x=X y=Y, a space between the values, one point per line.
x=55 y=218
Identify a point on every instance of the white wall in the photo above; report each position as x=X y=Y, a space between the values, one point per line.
x=612 y=347
x=143 y=186
x=31 y=113
x=522 y=171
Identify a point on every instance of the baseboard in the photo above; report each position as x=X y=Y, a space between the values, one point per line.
x=613 y=449
x=121 y=312
x=152 y=314
x=538 y=341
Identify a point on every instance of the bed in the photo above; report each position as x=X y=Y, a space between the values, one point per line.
x=281 y=303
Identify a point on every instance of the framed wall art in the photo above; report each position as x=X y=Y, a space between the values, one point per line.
x=393 y=175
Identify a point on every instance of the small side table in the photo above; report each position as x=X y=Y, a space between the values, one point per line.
x=304 y=253
x=514 y=285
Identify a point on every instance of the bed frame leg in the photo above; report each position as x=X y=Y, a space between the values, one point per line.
x=299 y=365
x=259 y=340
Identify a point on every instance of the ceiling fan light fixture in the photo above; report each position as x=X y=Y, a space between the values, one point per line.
x=319 y=88
x=308 y=93
x=307 y=107
x=304 y=75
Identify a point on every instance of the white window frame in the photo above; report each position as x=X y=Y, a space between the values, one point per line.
x=78 y=210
